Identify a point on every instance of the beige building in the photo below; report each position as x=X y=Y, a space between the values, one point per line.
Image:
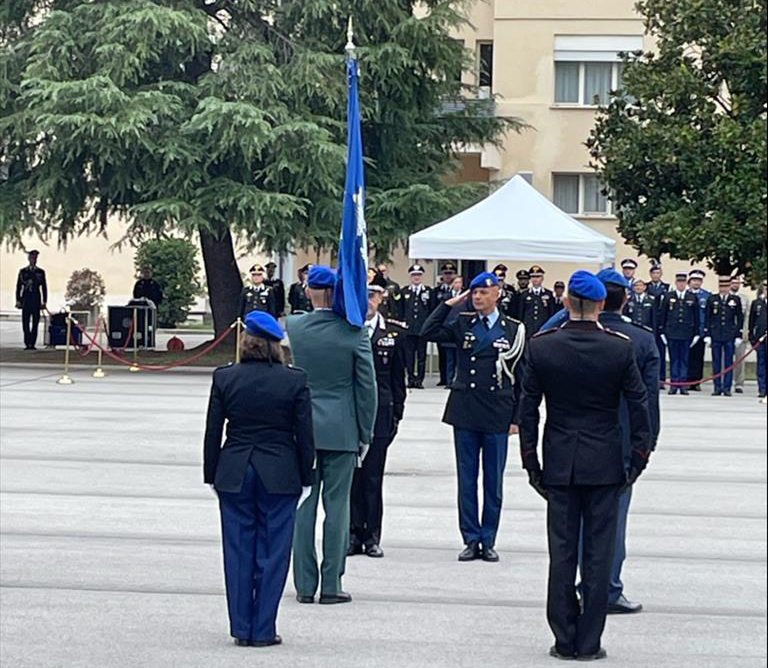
x=549 y=62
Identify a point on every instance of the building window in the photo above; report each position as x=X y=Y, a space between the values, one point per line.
x=485 y=64
x=567 y=79
x=580 y=195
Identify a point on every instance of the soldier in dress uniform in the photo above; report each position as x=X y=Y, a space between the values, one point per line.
x=508 y=296
x=416 y=302
x=537 y=303
x=583 y=370
x=628 y=268
x=298 y=299
x=696 y=357
x=390 y=307
x=388 y=343
x=257 y=296
x=739 y=373
x=758 y=324
x=723 y=326
x=559 y=294
x=523 y=281
x=482 y=405
x=679 y=322
x=31 y=297
x=657 y=289
x=641 y=307
x=443 y=293
x=277 y=286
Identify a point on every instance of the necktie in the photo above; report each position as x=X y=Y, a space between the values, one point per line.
x=487 y=322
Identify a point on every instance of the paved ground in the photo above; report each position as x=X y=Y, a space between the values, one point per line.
x=110 y=553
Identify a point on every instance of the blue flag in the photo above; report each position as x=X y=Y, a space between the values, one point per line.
x=351 y=296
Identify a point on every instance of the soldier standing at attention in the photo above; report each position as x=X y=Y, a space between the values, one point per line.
x=388 y=343
x=758 y=324
x=416 y=303
x=443 y=293
x=31 y=297
x=559 y=293
x=657 y=289
x=723 y=326
x=537 y=304
x=523 y=281
x=482 y=407
x=582 y=370
x=739 y=373
x=641 y=307
x=390 y=306
x=696 y=357
x=508 y=294
x=628 y=268
x=148 y=288
x=298 y=299
x=278 y=288
x=257 y=296
x=679 y=326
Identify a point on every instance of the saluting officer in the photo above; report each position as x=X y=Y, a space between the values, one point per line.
x=31 y=297
x=758 y=324
x=679 y=318
x=641 y=307
x=416 y=302
x=583 y=370
x=628 y=268
x=723 y=325
x=388 y=343
x=298 y=299
x=482 y=405
x=257 y=296
x=277 y=286
x=696 y=356
x=537 y=303
x=657 y=289
x=508 y=296
x=559 y=295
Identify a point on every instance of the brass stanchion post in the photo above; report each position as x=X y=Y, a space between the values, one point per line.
x=65 y=378
x=135 y=366
x=99 y=373
x=238 y=325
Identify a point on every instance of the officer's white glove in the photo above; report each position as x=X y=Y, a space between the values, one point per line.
x=364 y=449
x=696 y=339
x=738 y=341
x=306 y=492
x=707 y=340
x=664 y=339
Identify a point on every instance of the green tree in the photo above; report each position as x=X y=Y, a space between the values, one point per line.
x=682 y=147
x=226 y=118
x=174 y=266
x=85 y=291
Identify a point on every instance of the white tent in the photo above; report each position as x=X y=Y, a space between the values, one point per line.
x=514 y=223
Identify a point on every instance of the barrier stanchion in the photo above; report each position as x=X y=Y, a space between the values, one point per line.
x=135 y=366
x=238 y=325
x=100 y=373
x=65 y=378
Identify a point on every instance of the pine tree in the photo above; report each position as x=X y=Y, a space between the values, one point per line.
x=226 y=119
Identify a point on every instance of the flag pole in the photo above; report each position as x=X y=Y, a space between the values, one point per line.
x=350 y=47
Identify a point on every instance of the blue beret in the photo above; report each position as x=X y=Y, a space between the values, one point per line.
x=321 y=277
x=263 y=324
x=484 y=280
x=587 y=286
x=612 y=277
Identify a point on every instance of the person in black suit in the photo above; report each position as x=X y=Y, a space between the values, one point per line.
x=416 y=301
x=388 y=344
x=31 y=296
x=275 y=283
x=641 y=308
x=298 y=299
x=536 y=305
x=259 y=474
x=443 y=292
x=583 y=370
x=148 y=288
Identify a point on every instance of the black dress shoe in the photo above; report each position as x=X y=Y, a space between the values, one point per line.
x=490 y=555
x=727 y=393
x=672 y=391
x=623 y=606
x=600 y=654
x=695 y=388
x=556 y=654
x=335 y=599
x=471 y=553
x=739 y=390
x=241 y=642
x=305 y=599
x=277 y=640
x=354 y=548
x=374 y=551
x=685 y=393
x=717 y=393
x=418 y=385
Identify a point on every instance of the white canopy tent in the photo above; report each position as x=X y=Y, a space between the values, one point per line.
x=514 y=223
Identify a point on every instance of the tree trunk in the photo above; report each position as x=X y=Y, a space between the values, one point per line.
x=223 y=277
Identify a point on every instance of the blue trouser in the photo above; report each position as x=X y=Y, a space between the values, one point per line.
x=662 y=356
x=679 y=350
x=761 y=370
x=470 y=445
x=722 y=357
x=257 y=531
x=620 y=552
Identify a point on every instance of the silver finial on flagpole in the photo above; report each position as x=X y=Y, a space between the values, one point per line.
x=350 y=47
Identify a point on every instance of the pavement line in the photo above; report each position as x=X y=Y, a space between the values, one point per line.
x=28 y=380
x=167 y=539
x=390 y=504
x=651 y=477
x=372 y=598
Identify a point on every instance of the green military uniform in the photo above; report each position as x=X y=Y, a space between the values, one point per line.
x=338 y=361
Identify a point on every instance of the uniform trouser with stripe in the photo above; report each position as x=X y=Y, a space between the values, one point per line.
x=333 y=481
x=761 y=368
x=472 y=447
x=367 y=507
x=30 y=322
x=696 y=361
x=592 y=512
x=722 y=358
x=662 y=347
x=416 y=358
x=679 y=351
x=256 y=528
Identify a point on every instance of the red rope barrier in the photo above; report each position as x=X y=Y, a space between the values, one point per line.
x=89 y=348
x=691 y=383
x=156 y=367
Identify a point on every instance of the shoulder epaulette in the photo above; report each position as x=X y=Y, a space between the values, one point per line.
x=514 y=320
x=397 y=323
x=469 y=313
x=551 y=330
x=626 y=319
x=643 y=327
x=618 y=334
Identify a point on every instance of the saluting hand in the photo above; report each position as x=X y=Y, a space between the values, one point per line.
x=455 y=301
